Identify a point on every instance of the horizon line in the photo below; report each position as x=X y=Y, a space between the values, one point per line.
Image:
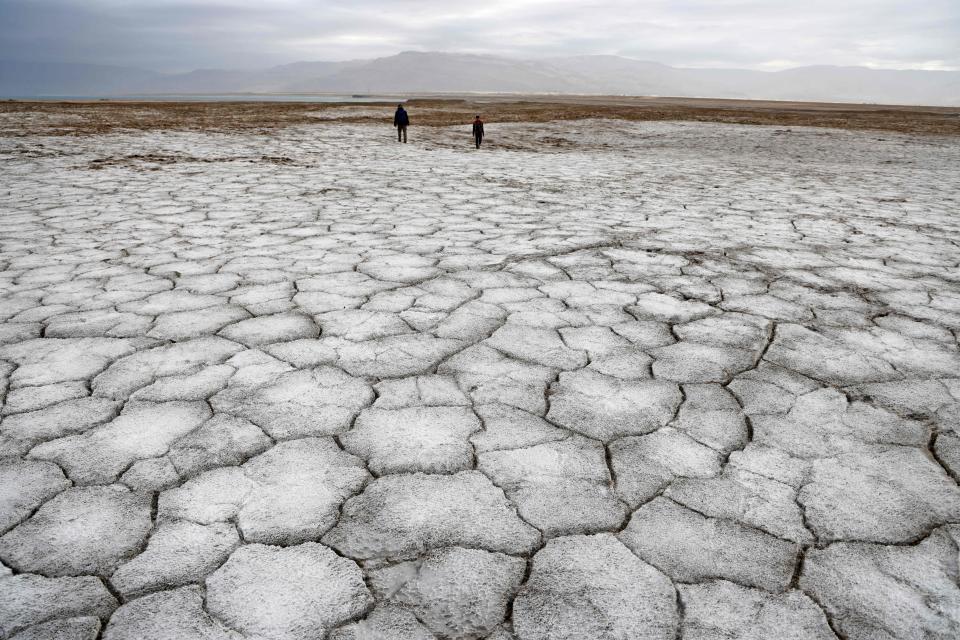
x=864 y=66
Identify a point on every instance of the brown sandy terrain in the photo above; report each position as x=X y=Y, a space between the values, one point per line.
x=86 y=118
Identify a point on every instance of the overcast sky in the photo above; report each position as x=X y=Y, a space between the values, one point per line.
x=177 y=35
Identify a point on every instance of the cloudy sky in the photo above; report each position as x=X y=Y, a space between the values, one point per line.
x=178 y=35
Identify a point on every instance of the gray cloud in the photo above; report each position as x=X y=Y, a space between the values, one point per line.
x=186 y=34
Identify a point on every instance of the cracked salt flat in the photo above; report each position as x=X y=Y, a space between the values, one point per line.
x=664 y=381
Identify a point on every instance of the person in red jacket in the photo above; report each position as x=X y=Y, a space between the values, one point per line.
x=478 y=130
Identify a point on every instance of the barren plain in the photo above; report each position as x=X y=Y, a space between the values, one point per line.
x=267 y=374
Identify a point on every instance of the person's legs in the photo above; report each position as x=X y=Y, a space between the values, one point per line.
x=478 y=139
x=404 y=129
x=399 y=134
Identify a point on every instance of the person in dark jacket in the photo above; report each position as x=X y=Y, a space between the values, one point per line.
x=478 y=130
x=401 y=121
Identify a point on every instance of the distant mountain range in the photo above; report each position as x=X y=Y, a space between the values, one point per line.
x=415 y=72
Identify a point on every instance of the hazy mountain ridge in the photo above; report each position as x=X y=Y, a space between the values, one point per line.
x=414 y=72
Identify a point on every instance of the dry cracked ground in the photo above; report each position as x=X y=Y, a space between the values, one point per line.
x=601 y=380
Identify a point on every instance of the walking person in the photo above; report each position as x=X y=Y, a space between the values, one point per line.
x=401 y=121
x=478 y=130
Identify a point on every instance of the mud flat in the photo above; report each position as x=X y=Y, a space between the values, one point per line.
x=267 y=373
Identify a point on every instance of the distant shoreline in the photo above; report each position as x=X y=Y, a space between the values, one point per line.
x=479 y=97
